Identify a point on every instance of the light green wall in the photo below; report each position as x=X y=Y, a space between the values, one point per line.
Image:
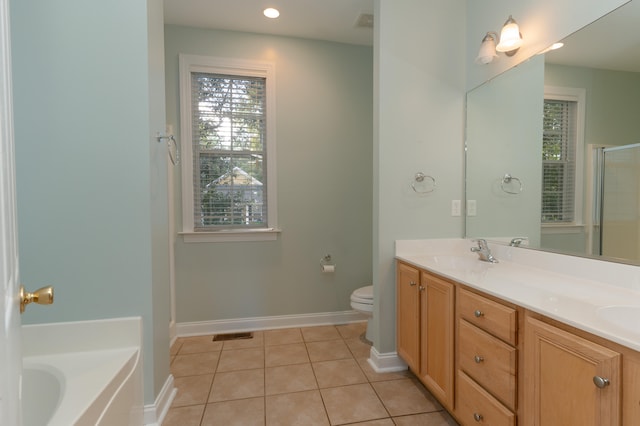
x=324 y=165
x=420 y=91
x=87 y=166
x=504 y=135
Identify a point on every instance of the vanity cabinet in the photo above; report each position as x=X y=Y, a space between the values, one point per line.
x=487 y=350
x=570 y=380
x=425 y=329
x=491 y=362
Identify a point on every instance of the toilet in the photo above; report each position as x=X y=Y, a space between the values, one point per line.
x=362 y=301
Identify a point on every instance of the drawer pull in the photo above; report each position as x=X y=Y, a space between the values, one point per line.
x=478 y=359
x=412 y=283
x=601 y=382
x=477 y=417
x=478 y=313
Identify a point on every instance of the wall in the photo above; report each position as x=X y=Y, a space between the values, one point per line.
x=86 y=162
x=504 y=135
x=419 y=128
x=324 y=165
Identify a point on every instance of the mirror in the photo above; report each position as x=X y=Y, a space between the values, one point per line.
x=597 y=78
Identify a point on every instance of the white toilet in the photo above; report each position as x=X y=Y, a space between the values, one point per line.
x=362 y=301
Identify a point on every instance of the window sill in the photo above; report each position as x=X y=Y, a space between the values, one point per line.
x=568 y=228
x=236 y=235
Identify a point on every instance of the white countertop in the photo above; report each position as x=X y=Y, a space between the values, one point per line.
x=600 y=297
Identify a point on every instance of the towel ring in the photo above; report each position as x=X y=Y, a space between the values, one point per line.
x=507 y=179
x=418 y=179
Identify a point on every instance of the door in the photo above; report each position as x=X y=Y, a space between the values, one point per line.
x=569 y=380
x=436 y=337
x=408 y=315
x=10 y=347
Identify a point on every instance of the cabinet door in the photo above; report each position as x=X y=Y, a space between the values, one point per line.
x=408 y=315
x=560 y=369
x=437 y=337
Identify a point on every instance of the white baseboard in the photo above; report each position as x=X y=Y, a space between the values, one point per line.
x=154 y=414
x=267 y=323
x=387 y=362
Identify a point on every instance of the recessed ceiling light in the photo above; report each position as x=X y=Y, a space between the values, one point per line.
x=271 y=12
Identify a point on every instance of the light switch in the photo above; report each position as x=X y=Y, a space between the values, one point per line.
x=472 y=208
x=455 y=208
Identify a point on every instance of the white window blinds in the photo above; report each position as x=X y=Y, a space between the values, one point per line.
x=229 y=151
x=559 y=161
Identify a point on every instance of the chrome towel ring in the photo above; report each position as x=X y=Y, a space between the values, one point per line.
x=423 y=186
x=507 y=184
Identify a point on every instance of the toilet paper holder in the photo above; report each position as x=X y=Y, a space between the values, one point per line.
x=326 y=264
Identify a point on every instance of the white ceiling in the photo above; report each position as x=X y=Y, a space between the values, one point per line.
x=332 y=20
x=612 y=42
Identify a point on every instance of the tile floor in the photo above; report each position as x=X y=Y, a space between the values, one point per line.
x=297 y=376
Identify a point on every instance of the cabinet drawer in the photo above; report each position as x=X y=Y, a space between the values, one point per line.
x=493 y=317
x=476 y=406
x=489 y=361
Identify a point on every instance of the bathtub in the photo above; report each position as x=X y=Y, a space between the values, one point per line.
x=82 y=373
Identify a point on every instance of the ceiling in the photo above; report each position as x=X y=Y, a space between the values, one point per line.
x=612 y=42
x=331 y=20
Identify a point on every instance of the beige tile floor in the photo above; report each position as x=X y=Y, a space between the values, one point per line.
x=298 y=376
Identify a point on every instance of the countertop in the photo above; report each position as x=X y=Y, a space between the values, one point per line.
x=599 y=297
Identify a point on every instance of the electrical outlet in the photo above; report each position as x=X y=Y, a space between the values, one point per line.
x=455 y=208
x=472 y=208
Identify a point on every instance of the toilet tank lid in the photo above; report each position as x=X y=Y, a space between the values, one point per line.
x=364 y=292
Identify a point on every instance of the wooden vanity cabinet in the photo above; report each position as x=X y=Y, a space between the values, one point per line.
x=425 y=329
x=570 y=380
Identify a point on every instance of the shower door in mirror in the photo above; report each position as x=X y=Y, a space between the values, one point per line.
x=619 y=216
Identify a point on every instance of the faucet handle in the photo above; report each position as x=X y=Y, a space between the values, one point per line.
x=515 y=242
x=482 y=243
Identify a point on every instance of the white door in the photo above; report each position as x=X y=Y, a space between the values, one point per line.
x=10 y=347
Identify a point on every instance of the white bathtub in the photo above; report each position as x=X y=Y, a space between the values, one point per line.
x=83 y=373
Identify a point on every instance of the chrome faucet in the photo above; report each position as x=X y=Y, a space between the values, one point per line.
x=483 y=251
x=515 y=242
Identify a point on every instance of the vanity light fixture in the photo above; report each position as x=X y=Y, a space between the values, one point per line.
x=270 y=12
x=487 y=51
x=510 y=38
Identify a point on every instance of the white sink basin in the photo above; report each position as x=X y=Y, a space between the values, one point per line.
x=626 y=317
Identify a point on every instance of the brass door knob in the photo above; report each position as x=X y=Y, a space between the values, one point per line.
x=42 y=296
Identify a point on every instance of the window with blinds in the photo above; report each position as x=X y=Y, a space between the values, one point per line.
x=228 y=145
x=228 y=162
x=559 y=161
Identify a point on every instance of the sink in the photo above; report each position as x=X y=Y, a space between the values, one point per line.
x=626 y=317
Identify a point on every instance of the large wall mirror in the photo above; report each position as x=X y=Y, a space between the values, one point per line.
x=553 y=146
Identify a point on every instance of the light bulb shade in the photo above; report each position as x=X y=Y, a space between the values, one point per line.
x=487 y=51
x=510 y=39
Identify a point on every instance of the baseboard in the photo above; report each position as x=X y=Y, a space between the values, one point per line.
x=387 y=362
x=154 y=414
x=267 y=323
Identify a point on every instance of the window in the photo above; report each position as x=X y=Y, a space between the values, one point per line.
x=228 y=168
x=562 y=148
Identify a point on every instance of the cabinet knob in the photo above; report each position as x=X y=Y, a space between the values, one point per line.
x=478 y=313
x=601 y=382
x=412 y=283
x=421 y=288
x=477 y=417
x=478 y=359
